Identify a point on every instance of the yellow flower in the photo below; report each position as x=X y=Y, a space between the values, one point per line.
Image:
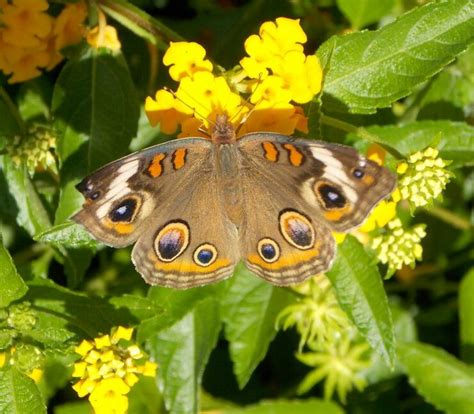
x=380 y=216
x=423 y=177
x=104 y=37
x=399 y=247
x=68 y=29
x=210 y=96
x=109 y=366
x=301 y=74
x=271 y=118
x=108 y=397
x=186 y=59
x=166 y=110
x=30 y=39
x=273 y=42
x=25 y=22
x=270 y=107
x=270 y=90
x=191 y=127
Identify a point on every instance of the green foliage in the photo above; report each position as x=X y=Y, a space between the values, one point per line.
x=403 y=77
x=439 y=377
x=19 y=394
x=370 y=70
x=360 y=292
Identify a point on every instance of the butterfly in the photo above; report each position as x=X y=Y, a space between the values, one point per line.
x=195 y=207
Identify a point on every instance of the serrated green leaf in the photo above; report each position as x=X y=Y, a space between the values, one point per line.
x=13 y=286
x=69 y=234
x=456 y=139
x=249 y=310
x=440 y=378
x=182 y=352
x=96 y=111
x=466 y=316
x=370 y=70
x=359 y=290
x=364 y=12
x=309 y=406
x=32 y=214
x=405 y=331
x=19 y=393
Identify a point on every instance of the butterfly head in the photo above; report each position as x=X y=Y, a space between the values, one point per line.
x=223 y=132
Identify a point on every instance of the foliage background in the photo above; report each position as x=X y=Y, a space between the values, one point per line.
x=408 y=80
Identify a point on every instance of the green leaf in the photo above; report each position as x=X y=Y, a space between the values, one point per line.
x=13 y=286
x=370 y=70
x=440 y=378
x=32 y=214
x=175 y=304
x=96 y=111
x=182 y=352
x=69 y=234
x=359 y=290
x=249 y=310
x=364 y=12
x=405 y=331
x=19 y=393
x=466 y=316
x=456 y=139
x=11 y=122
x=64 y=314
x=309 y=406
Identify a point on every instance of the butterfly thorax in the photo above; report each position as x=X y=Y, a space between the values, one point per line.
x=223 y=132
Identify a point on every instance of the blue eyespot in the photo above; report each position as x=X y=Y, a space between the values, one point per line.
x=358 y=173
x=172 y=240
x=123 y=211
x=170 y=244
x=268 y=250
x=205 y=254
x=331 y=196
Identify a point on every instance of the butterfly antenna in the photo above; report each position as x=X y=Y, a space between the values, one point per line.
x=246 y=102
x=195 y=111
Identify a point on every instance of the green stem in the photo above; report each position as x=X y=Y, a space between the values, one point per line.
x=359 y=131
x=13 y=110
x=139 y=22
x=449 y=217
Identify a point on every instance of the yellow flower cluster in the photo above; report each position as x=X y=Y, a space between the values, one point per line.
x=31 y=39
x=398 y=247
x=276 y=74
x=108 y=368
x=423 y=177
x=35 y=149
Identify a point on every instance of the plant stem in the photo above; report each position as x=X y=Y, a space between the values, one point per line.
x=449 y=217
x=13 y=110
x=359 y=131
x=139 y=22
